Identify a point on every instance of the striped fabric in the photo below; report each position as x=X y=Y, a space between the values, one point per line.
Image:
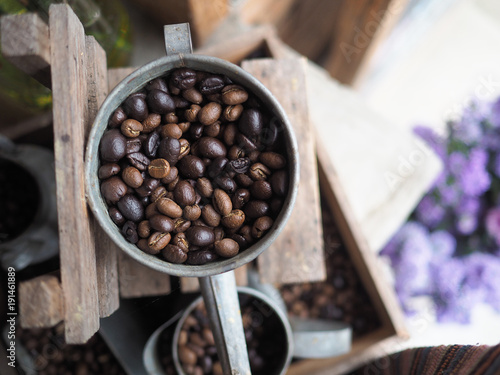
x=439 y=360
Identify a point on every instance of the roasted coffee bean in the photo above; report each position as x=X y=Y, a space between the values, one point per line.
x=254 y=156
x=217 y=167
x=212 y=130
x=243 y=180
x=222 y=202
x=132 y=177
x=108 y=170
x=131 y=128
x=240 y=165
x=279 y=182
x=157 y=84
x=184 y=126
x=117 y=118
x=225 y=183
x=171 y=130
x=200 y=257
x=261 y=190
x=269 y=135
x=174 y=254
x=185 y=147
x=255 y=209
x=158 y=168
x=261 y=226
x=196 y=131
x=138 y=160
x=151 y=144
x=191 y=114
x=181 y=225
x=200 y=236
x=169 y=149
x=172 y=175
x=143 y=245
x=192 y=95
x=180 y=240
x=116 y=216
x=113 y=189
x=245 y=143
x=210 y=216
x=229 y=134
x=133 y=145
x=145 y=201
x=147 y=187
x=131 y=208
x=211 y=85
x=183 y=78
x=192 y=213
x=161 y=223
x=232 y=112
x=151 y=122
x=233 y=95
x=160 y=102
x=184 y=194
x=113 y=146
x=151 y=210
x=258 y=171
x=181 y=103
x=242 y=241
x=234 y=219
x=226 y=248
x=240 y=198
x=235 y=153
x=129 y=231
x=169 y=207
x=209 y=113
x=251 y=122
x=209 y=147
x=171 y=186
x=276 y=204
x=144 y=229
x=170 y=118
x=191 y=167
x=205 y=187
x=135 y=107
x=272 y=160
x=158 y=240
x=219 y=233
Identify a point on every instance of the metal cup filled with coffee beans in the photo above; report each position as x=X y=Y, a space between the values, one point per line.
x=192 y=169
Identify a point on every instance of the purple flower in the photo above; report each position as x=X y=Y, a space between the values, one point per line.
x=467 y=215
x=443 y=245
x=475 y=179
x=433 y=140
x=495 y=113
x=493 y=224
x=430 y=212
x=456 y=163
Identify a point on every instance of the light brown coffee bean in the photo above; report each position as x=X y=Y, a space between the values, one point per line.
x=210 y=215
x=209 y=113
x=144 y=229
x=132 y=177
x=161 y=223
x=172 y=175
x=187 y=356
x=222 y=202
x=170 y=118
x=192 y=213
x=191 y=114
x=181 y=241
x=171 y=130
x=151 y=210
x=131 y=128
x=261 y=190
x=151 y=122
x=259 y=171
x=181 y=225
x=159 y=168
x=159 y=192
x=233 y=95
x=226 y=248
x=192 y=95
x=234 y=220
x=169 y=207
x=232 y=112
x=212 y=130
x=272 y=160
x=229 y=134
x=204 y=187
x=158 y=241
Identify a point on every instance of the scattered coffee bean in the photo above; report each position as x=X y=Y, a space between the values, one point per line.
x=132 y=177
x=174 y=254
x=108 y=170
x=159 y=168
x=113 y=189
x=131 y=128
x=135 y=107
x=200 y=236
x=226 y=248
x=113 y=146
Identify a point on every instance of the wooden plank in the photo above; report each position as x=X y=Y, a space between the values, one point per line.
x=116 y=75
x=77 y=252
x=41 y=302
x=297 y=254
x=138 y=280
x=105 y=249
x=26 y=44
x=265 y=11
x=191 y=284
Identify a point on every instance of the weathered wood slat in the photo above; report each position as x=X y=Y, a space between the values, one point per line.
x=77 y=252
x=41 y=302
x=191 y=284
x=26 y=44
x=297 y=254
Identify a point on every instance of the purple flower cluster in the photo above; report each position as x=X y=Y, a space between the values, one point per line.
x=450 y=247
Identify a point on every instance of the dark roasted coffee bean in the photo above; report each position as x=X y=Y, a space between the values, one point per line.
x=181 y=103
x=255 y=209
x=242 y=242
x=200 y=236
x=279 y=182
x=171 y=130
x=145 y=201
x=172 y=175
x=222 y=202
x=217 y=167
x=272 y=160
x=192 y=95
x=184 y=194
x=160 y=102
x=151 y=122
x=201 y=257
x=276 y=205
x=131 y=128
x=261 y=190
x=232 y=112
x=135 y=107
x=108 y=170
x=254 y=156
x=243 y=180
x=211 y=85
x=132 y=177
x=116 y=216
x=251 y=122
x=205 y=187
x=240 y=198
x=169 y=149
x=209 y=113
x=171 y=186
x=233 y=95
x=129 y=231
x=229 y=134
x=183 y=78
x=234 y=220
x=209 y=147
x=192 y=213
x=240 y=165
x=144 y=229
x=143 y=245
x=181 y=225
x=147 y=187
x=219 y=233
x=161 y=223
x=191 y=167
x=245 y=143
x=113 y=189
x=133 y=145
x=174 y=254
x=157 y=241
x=258 y=171
x=210 y=216
x=212 y=130
x=117 y=118
x=168 y=207
x=151 y=144
x=170 y=118
x=225 y=183
x=131 y=208
x=226 y=248
x=191 y=114
x=180 y=240
x=113 y=146
x=151 y=210
x=261 y=226
x=138 y=160
x=196 y=131
x=236 y=152
x=157 y=84
x=184 y=126
x=185 y=147
x=158 y=168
